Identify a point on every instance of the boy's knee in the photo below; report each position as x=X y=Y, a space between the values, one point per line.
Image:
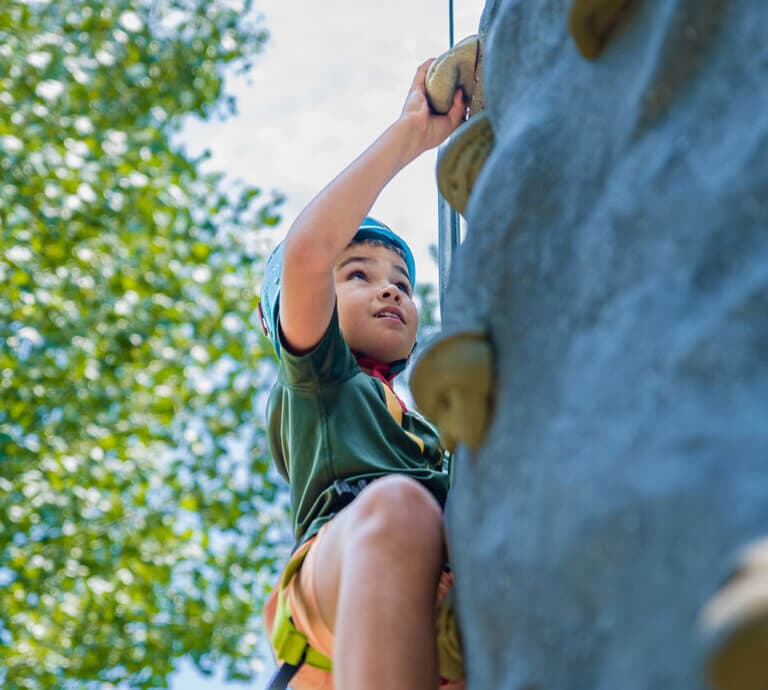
x=398 y=509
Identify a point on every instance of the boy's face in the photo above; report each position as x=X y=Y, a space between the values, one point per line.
x=376 y=313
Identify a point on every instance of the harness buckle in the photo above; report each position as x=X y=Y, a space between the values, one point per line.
x=289 y=643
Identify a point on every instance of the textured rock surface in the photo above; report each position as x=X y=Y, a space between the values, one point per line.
x=618 y=252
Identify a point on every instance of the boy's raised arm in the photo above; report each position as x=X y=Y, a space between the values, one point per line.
x=329 y=222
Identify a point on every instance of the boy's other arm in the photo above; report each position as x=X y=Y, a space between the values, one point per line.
x=329 y=222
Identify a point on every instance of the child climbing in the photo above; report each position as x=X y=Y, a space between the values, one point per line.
x=357 y=605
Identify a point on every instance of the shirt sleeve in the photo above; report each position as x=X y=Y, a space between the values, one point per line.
x=330 y=361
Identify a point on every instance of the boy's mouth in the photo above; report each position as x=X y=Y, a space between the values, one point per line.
x=390 y=313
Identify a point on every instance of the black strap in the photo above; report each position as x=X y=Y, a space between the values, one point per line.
x=284 y=675
x=342 y=492
x=343 y=487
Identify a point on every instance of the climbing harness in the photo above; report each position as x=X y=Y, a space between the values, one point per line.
x=448 y=221
x=289 y=643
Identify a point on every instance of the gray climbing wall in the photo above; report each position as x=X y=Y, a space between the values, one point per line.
x=618 y=252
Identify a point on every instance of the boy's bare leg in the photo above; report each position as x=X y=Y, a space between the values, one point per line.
x=377 y=571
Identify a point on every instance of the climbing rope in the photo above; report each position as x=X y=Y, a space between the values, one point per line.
x=448 y=222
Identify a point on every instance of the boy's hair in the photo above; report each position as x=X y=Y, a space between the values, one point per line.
x=376 y=242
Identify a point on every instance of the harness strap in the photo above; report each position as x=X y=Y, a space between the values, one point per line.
x=289 y=643
x=396 y=410
x=283 y=676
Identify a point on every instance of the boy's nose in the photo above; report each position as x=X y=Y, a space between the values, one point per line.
x=390 y=292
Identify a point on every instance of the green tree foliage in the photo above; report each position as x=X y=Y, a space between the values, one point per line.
x=138 y=522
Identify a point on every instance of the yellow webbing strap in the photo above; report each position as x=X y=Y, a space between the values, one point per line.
x=393 y=405
x=290 y=644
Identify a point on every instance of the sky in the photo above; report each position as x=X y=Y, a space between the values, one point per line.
x=332 y=77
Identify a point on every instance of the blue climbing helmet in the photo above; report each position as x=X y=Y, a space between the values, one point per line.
x=370 y=229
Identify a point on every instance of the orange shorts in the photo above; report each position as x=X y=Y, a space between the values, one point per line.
x=306 y=617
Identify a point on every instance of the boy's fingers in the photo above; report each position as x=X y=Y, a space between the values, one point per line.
x=421 y=73
x=424 y=66
x=458 y=110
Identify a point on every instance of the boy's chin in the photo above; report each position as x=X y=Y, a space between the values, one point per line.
x=385 y=354
x=386 y=357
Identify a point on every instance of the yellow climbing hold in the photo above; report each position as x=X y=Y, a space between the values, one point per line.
x=462 y=159
x=453 y=384
x=457 y=68
x=591 y=22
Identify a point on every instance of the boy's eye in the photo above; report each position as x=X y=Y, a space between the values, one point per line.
x=404 y=287
x=358 y=274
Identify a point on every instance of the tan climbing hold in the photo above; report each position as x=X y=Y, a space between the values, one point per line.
x=591 y=23
x=462 y=159
x=458 y=68
x=450 y=655
x=453 y=385
x=477 y=98
x=735 y=625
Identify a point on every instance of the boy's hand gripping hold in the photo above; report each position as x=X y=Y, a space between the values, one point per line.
x=434 y=128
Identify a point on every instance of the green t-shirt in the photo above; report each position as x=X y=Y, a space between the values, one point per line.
x=328 y=421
